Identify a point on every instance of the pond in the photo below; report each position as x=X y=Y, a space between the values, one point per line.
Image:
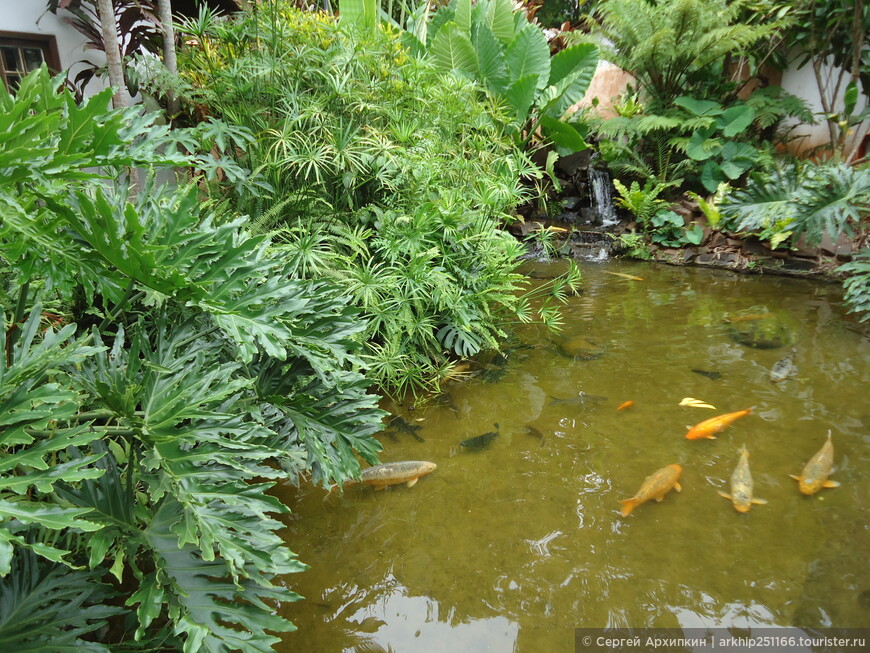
x=512 y=547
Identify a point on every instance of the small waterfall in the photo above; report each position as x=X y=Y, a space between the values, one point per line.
x=600 y=188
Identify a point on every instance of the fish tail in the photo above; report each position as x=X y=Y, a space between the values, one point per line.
x=628 y=505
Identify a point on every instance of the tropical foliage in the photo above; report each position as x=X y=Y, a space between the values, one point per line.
x=800 y=199
x=857 y=285
x=509 y=56
x=376 y=170
x=679 y=47
x=161 y=370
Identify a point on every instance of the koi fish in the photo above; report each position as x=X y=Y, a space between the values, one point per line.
x=480 y=442
x=623 y=275
x=655 y=486
x=406 y=471
x=741 y=485
x=624 y=405
x=708 y=427
x=815 y=473
x=710 y=375
x=695 y=403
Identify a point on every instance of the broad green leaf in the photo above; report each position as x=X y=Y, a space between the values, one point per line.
x=734 y=120
x=563 y=134
x=53 y=517
x=521 y=94
x=462 y=18
x=529 y=54
x=499 y=17
x=150 y=597
x=583 y=56
x=490 y=60
x=570 y=77
x=701 y=147
x=117 y=568
x=712 y=175
x=850 y=98
x=699 y=107
x=452 y=50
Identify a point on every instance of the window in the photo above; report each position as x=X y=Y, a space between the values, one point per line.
x=22 y=53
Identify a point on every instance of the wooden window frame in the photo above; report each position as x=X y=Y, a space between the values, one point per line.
x=45 y=42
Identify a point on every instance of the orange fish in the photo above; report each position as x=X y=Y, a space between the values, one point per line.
x=655 y=486
x=815 y=474
x=624 y=405
x=708 y=427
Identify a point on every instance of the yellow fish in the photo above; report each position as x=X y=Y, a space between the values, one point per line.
x=655 y=486
x=623 y=275
x=695 y=403
x=815 y=473
x=741 y=485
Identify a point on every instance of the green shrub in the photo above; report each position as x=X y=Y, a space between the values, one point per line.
x=181 y=374
x=385 y=174
x=800 y=198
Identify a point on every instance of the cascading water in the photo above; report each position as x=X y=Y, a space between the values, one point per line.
x=600 y=186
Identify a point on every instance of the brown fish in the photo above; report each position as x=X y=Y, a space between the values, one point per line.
x=741 y=485
x=815 y=473
x=405 y=471
x=655 y=486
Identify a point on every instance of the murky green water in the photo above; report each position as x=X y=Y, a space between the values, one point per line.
x=511 y=548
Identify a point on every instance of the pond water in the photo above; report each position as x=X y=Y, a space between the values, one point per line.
x=513 y=547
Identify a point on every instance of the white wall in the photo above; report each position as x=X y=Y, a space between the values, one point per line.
x=802 y=82
x=32 y=17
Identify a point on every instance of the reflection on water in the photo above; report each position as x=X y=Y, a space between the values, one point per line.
x=512 y=547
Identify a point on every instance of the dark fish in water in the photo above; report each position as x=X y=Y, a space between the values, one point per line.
x=531 y=430
x=480 y=442
x=708 y=374
x=398 y=423
x=784 y=368
x=581 y=398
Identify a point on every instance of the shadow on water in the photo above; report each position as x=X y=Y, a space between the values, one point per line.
x=512 y=547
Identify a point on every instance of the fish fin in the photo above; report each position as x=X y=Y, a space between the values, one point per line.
x=710 y=436
x=412 y=482
x=760 y=502
x=628 y=505
x=797 y=478
x=830 y=484
x=724 y=494
x=678 y=487
x=659 y=499
x=379 y=487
